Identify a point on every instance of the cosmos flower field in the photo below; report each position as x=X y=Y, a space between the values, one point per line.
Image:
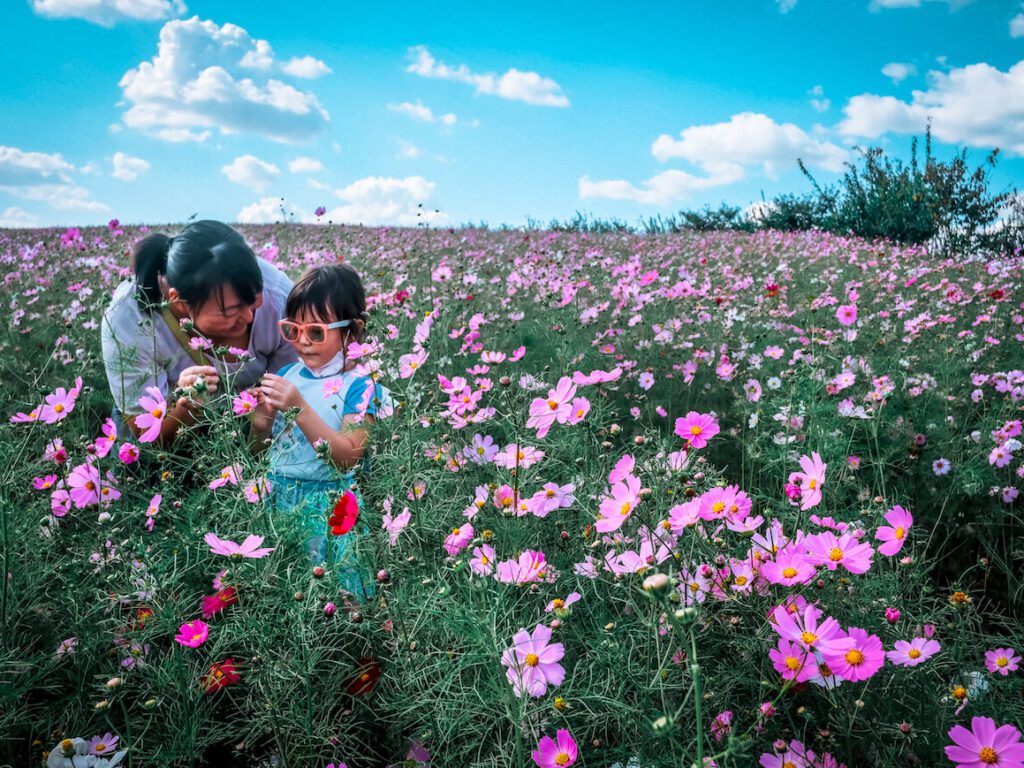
x=698 y=499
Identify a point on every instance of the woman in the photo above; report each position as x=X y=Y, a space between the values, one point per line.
x=208 y=275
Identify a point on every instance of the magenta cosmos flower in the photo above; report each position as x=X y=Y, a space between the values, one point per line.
x=616 y=508
x=152 y=419
x=915 y=652
x=193 y=634
x=894 y=534
x=58 y=405
x=84 y=482
x=1002 y=661
x=832 y=551
x=530 y=567
x=809 y=481
x=856 y=657
x=847 y=314
x=696 y=428
x=249 y=548
x=805 y=628
x=793 y=661
x=243 y=404
x=458 y=539
x=556 y=752
x=985 y=745
x=531 y=664
x=788 y=568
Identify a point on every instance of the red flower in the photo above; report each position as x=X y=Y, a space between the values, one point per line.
x=366 y=677
x=214 y=604
x=221 y=676
x=346 y=512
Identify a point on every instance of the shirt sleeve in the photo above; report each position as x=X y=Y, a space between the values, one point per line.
x=360 y=397
x=128 y=362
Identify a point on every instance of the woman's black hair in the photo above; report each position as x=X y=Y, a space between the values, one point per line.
x=198 y=262
x=330 y=290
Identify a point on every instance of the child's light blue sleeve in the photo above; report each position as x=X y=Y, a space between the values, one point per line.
x=356 y=397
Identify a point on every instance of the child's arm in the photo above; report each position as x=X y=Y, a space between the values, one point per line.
x=261 y=423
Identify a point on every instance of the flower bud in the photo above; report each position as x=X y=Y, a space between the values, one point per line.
x=657 y=583
x=114 y=682
x=383 y=576
x=318 y=571
x=330 y=609
x=299 y=597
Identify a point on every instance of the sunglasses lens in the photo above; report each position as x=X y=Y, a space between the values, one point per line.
x=317 y=334
x=289 y=331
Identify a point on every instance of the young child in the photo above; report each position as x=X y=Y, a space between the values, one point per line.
x=324 y=314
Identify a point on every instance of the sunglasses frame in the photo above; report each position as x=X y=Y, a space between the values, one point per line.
x=303 y=326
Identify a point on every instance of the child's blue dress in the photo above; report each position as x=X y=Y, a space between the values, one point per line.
x=302 y=483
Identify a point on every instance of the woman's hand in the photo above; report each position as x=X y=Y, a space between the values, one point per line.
x=280 y=393
x=190 y=375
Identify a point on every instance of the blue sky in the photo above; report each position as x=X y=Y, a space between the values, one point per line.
x=220 y=108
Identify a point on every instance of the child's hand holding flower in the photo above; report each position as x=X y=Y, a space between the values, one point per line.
x=280 y=394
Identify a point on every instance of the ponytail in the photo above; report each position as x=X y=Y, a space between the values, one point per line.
x=149 y=260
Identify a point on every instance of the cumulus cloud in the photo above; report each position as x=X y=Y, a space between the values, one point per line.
x=107 y=13
x=250 y=171
x=20 y=167
x=271 y=210
x=61 y=197
x=662 y=189
x=407 y=150
x=977 y=105
x=305 y=165
x=750 y=138
x=818 y=100
x=514 y=84
x=418 y=111
x=1017 y=25
x=379 y=200
x=897 y=71
x=128 y=168
x=207 y=77
x=15 y=218
x=880 y=5
x=306 y=67
x=43 y=177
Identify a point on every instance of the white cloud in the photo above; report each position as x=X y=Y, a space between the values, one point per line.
x=202 y=79
x=306 y=67
x=106 y=13
x=16 y=218
x=662 y=189
x=19 y=167
x=1017 y=25
x=251 y=172
x=785 y=6
x=378 y=200
x=818 y=101
x=879 y=5
x=61 y=197
x=270 y=210
x=898 y=71
x=977 y=105
x=305 y=165
x=514 y=84
x=128 y=168
x=749 y=138
x=407 y=150
x=422 y=113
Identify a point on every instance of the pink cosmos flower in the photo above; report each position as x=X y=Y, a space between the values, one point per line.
x=623 y=468
x=645 y=380
x=105 y=443
x=854 y=657
x=257 y=489
x=395 y=525
x=103 y=745
x=795 y=755
x=847 y=314
x=55 y=451
x=60 y=502
x=985 y=745
x=151 y=511
x=788 y=568
x=409 y=364
x=804 y=627
x=555 y=408
x=243 y=404
x=752 y=387
x=193 y=634
x=128 y=453
x=152 y=419
x=513 y=456
x=560 y=605
x=893 y=537
x=551 y=497
x=917 y=651
x=58 y=405
x=531 y=566
x=793 y=661
x=828 y=550
x=579 y=410
x=721 y=726
x=696 y=429
x=681 y=516
x=43 y=483
x=531 y=663
x=481 y=450
x=1002 y=661
x=84 y=482
x=25 y=418
x=809 y=480
x=557 y=752
x=227 y=475
x=615 y=509
x=249 y=548
x=482 y=563
x=458 y=539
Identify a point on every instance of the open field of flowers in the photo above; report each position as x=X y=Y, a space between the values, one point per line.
x=721 y=499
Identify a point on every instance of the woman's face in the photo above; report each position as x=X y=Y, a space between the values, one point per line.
x=224 y=316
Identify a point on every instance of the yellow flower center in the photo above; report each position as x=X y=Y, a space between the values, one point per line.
x=854 y=657
x=734 y=508
x=196 y=636
x=960 y=692
x=558 y=603
x=562 y=759
x=789 y=764
x=808 y=637
x=455 y=531
x=549 y=493
x=824 y=670
x=812 y=483
x=58 y=408
x=717 y=507
x=1002 y=661
x=484 y=560
x=914 y=653
x=789 y=573
x=90 y=485
x=695 y=430
x=835 y=554
x=988 y=756
x=553 y=404
x=532 y=660
x=480 y=451
x=694 y=587
x=157 y=413
x=900 y=533
x=741 y=580
x=793 y=663
x=625 y=508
